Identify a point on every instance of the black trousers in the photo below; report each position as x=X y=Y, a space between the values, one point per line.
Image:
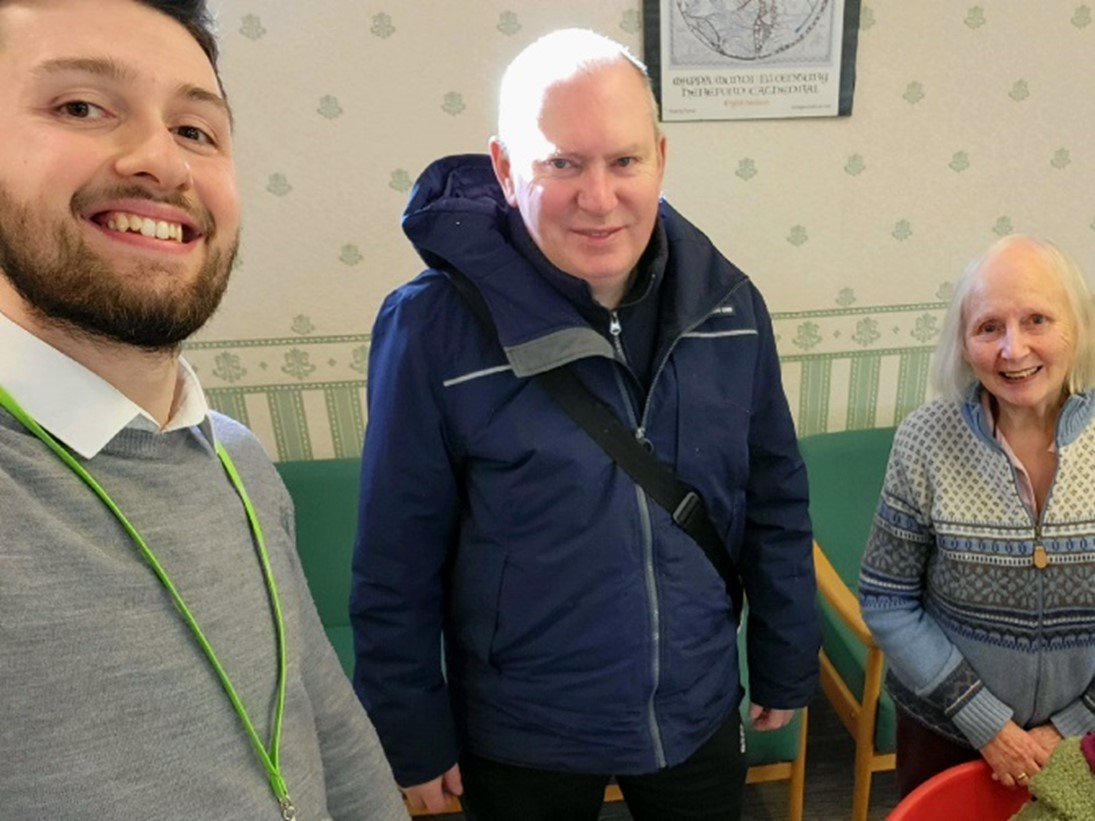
x=706 y=787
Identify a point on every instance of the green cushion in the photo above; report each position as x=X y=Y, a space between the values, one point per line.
x=325 y=494
x=342 y=639
x=846 y=470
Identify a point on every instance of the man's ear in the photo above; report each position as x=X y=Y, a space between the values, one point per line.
x=503 y=170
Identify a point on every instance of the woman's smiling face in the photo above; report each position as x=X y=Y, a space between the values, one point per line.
x=1019 y=337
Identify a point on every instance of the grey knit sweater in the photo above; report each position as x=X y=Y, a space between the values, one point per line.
x=108 y=709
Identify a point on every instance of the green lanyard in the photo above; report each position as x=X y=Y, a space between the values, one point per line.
x=269 y=757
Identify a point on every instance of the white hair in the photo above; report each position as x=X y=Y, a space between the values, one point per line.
x=951 y=374
x=552 y=59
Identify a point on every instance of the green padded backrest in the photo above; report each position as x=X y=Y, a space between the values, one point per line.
x=325 y=493
x=845 y=470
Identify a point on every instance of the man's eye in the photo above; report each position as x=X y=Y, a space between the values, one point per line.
x=81 y=110
x=192 y=132
x=559 y=164
x=624 y=162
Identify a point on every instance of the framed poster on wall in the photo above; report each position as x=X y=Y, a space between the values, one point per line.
x=751 y=59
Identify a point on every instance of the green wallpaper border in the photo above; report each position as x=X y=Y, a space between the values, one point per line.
x=843 y=368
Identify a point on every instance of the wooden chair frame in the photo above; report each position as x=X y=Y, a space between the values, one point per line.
x=794 y=772
x=860 y=717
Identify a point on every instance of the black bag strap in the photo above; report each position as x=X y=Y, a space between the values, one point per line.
x=604 y=427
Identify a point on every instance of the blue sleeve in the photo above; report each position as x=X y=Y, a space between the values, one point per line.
x=408 y=520
x=891 y=592
x=776 y=561
x=1077 y=718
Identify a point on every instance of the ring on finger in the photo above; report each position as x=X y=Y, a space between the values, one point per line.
x=1022 y=777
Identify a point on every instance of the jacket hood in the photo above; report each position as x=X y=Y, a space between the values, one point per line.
x=453 y=200
x=457 y=218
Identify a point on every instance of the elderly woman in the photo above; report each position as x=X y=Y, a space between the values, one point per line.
x=978 y=579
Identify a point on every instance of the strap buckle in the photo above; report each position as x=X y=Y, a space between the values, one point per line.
x=689 y=506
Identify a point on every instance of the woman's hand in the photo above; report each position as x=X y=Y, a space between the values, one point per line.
x=1047 y=736
x=1014 y=755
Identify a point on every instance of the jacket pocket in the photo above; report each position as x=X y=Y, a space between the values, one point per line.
x=477 y=588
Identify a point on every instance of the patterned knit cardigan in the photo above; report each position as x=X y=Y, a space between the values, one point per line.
x=984 y=612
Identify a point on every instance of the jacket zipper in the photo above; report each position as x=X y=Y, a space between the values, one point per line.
x=615 y=329
x=650 y=578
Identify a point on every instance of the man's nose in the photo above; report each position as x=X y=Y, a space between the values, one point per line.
x=152 y=153
x=597 y=193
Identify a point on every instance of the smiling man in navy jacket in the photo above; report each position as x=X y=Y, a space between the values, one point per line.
x=586 y=634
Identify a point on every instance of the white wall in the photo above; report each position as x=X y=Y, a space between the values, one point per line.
x=968 y=122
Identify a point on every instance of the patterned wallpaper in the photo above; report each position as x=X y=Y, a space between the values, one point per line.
x=969 y=121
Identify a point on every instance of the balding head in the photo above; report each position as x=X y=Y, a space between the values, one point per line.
x=555 y=58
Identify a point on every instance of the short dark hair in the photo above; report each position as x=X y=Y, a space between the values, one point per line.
x=196 y=18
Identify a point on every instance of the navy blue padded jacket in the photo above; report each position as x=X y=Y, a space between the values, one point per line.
x=583 y=630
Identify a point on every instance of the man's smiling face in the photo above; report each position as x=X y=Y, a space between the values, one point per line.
x=119 y=214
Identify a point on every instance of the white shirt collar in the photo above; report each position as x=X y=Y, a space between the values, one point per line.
x=76 y=405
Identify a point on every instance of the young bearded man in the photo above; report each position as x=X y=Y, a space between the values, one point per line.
x=160 y=656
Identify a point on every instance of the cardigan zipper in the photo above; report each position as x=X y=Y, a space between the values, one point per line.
x=1040 y=559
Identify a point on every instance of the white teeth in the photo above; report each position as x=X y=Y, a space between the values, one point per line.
x=1020 y=374
x=160 y=229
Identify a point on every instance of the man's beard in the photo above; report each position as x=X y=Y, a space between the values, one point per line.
x=65 y=283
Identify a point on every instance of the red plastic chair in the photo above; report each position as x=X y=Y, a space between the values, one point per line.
x=962 y=793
